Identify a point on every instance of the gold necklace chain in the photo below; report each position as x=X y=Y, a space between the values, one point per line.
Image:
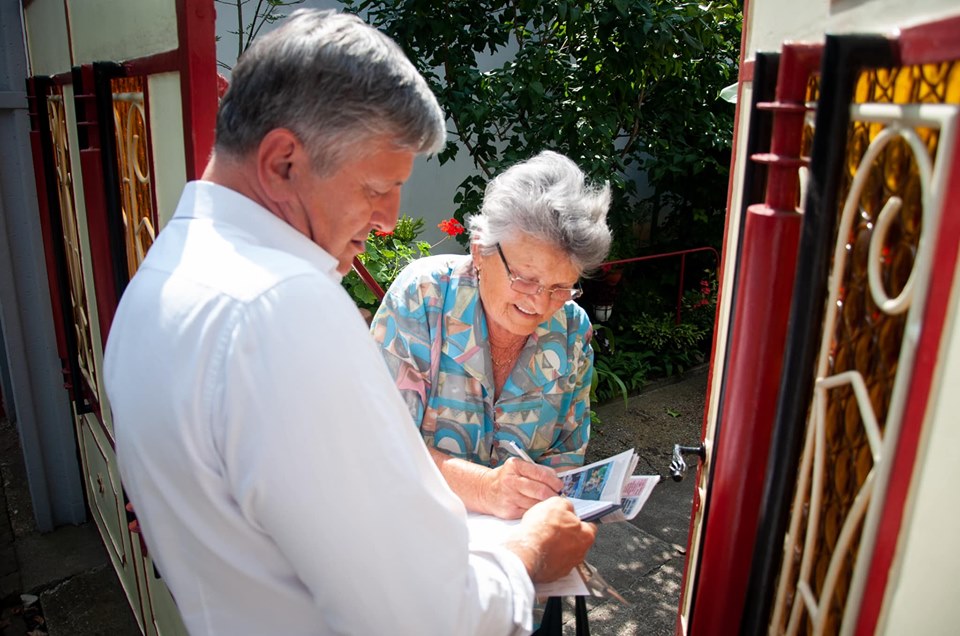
x=504 y=357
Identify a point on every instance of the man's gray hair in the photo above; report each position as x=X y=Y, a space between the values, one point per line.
x=548 y=198
x=336 y=83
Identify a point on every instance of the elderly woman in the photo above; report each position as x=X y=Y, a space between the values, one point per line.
x=489 y=349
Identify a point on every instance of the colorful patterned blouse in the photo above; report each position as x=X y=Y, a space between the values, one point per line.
x=433 y=335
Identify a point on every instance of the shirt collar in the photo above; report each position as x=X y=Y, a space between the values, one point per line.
x=221 y=205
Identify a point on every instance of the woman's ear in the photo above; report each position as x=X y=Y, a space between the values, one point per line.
x=475 y=253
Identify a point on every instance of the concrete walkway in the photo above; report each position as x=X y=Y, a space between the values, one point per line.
x=64 y=577
x=66 y=574
x=645 y=559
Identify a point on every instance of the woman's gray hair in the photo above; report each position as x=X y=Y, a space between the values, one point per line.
x=548 y=198
x=336 y=83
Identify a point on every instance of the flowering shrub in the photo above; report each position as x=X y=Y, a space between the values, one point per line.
x=451 y=227
x=699 y=306
x=387 y=253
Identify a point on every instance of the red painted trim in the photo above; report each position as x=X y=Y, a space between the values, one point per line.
x=106 y=293
x=944 y=265
x=613 y=266
x=62 y=79
x=930 y=42
x=797 y=63
x=37 y=108
x=196 y=26
x=368 y=278
x=746 y=72
x=96 y=203
x=152 y=64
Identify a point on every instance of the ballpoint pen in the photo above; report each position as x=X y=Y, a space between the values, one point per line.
x=515 y=448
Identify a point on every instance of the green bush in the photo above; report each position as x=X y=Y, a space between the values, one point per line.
x=645 y=341
x=387 y=253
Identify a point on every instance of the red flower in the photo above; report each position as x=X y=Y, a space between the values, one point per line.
x=379 y=233
x=452 y=227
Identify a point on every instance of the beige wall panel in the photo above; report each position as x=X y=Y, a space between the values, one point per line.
x=883 y=16
x=922 y=595
x=166 y=135
x=45 y=23
x=121 y=29
x=772 y=22
x=732 y=240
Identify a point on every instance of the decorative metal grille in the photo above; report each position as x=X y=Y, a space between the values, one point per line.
x=889 y=198
x=133 y=162
x=71 y=240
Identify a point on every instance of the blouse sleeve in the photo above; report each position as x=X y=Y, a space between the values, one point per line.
x=402 y=332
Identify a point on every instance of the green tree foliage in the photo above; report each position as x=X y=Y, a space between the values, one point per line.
x=623 y=87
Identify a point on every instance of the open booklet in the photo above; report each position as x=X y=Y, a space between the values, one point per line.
x=607 y=490
x=603 y=491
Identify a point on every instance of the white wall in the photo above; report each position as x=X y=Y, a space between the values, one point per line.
x=772 y=22
x=921 y=593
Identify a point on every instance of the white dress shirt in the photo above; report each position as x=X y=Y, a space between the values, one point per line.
x=281 y=486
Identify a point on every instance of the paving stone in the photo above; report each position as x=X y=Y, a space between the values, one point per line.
x=47 y=559
x=89 y=604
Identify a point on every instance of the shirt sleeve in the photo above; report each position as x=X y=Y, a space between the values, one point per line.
x=320 y=456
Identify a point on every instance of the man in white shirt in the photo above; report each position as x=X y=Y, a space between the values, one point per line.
x=278 y=479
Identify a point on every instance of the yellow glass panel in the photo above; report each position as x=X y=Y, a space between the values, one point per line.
x=136 y=189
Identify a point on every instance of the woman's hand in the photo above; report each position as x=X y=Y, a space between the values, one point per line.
x=507 y=491
x=511 y=489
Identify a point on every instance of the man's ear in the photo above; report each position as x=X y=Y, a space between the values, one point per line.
x=281 y=158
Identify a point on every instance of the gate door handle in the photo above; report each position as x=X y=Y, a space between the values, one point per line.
x=677 y=465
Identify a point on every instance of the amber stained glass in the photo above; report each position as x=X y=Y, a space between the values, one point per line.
x=71 y=239
x=139 y=217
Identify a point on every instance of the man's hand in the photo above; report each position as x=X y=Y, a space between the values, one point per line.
x=551 y=540
x=511 y=489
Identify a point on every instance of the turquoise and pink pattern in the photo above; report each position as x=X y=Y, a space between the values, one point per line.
x=433 y=335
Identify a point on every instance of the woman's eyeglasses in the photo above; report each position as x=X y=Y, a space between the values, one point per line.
x=532 y=288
